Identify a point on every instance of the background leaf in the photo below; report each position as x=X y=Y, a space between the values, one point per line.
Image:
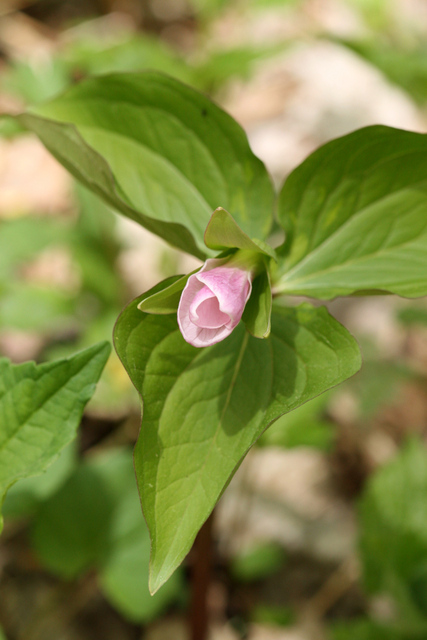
x=204 y=408
x=303 y=427
x=365 y=630
x=393 y=511
x=160 y=153
x=40 y=410
x=94 y=521
x=355 y=214
x=26 y=495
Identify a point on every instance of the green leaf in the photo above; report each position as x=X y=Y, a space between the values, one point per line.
x=160 y=153
x=238 y=62
x=69 y=532
x=166 y=299
x=26 y=495
x=355 y=217
x=258 y=563
x=257 y=313
x=95 y=521
x=412 y=316
x=394 y=509
x=273 y=615
x=40 y=410
x=223 y=232
x=124 y=572
x=22 y=238
x=29 y=307
x=405 y=67
x=365 y=629
x=98 y=55
x=204 y=409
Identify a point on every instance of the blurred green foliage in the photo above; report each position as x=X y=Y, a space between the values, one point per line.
x=258 y=562
x=404 y=65
x=87 y=516
x=273 y=615
x=304 y=426
x=393 y=536
x=364 y=630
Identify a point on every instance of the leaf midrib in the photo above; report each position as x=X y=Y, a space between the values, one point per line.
x=331 y=239
x=39 y=409
x=166 y=113
x=174 y=169
x=344 y=175
x=226 y=404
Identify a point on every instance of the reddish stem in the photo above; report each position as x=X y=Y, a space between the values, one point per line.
x=200 y=580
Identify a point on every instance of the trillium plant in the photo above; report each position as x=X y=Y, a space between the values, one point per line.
x=219 y=354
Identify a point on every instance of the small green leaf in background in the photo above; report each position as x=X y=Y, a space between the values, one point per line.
x=26 y=495
x=413 y=316
x=22 y=238
x=218 y=67
x=393 y=538
x=405 y=67
x=69 y=530
x=30 y=307
x=35 y=81
x=365 y=630
x=355 y=217
x=302 y=427
x=159 y=152
x=258 y=562
x=378 y=383
x=131 y=52
x=94 y=521
x=40 y=410
x=204 y=408
x=273 y=615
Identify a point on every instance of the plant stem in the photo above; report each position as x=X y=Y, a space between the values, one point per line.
x=200 y=581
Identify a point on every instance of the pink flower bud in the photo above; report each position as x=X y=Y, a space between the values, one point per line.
x=213 y=301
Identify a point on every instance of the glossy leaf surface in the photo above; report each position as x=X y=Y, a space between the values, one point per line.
x=204 y=408
x=160 y=153
x=355 y=216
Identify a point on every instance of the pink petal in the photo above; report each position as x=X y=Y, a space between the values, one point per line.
x=208 y=315
x=213 y=302
x=231 y=286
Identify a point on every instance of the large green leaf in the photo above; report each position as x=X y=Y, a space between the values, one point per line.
x=159 y=152
x=355 y=214
x=40 y=410
x=204 y=408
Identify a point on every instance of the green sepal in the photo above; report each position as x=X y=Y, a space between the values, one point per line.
x=166 y=299
x=257 y=313
x=223 y=232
